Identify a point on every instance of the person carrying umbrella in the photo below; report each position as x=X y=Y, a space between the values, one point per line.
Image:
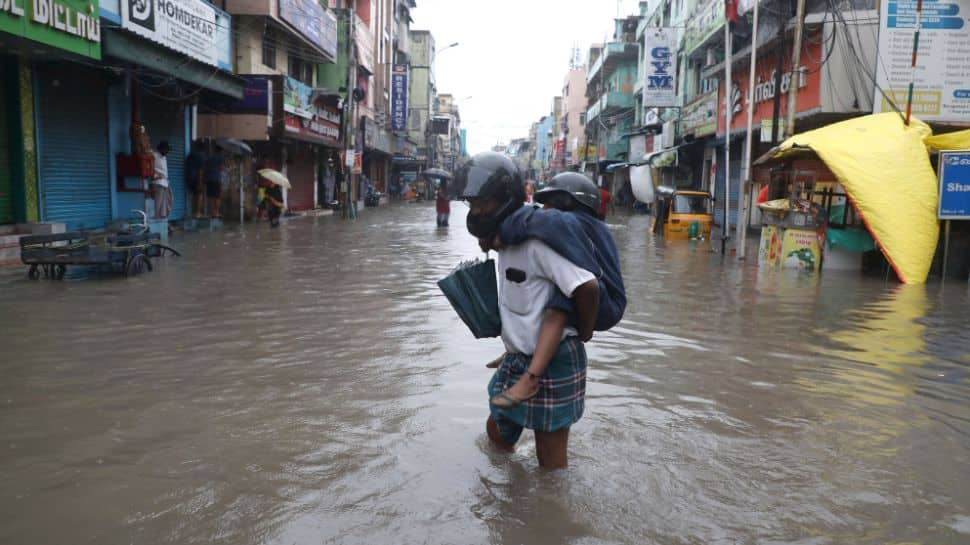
x=274 y=194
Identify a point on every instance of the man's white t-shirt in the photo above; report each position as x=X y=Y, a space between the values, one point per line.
x=161 y=169
x=528 y=273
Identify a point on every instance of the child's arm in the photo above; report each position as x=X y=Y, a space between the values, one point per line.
x=587 y=301
x=550 y=335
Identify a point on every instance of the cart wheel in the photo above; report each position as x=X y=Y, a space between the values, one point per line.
x=61 y=270
x=34 y=272
x=136 y=264
x=170 y=250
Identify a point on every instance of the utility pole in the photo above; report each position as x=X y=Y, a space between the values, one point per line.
x=796 y=73
x=745 y=199
x=776 y=85
x=349 y=115
x=728 y=113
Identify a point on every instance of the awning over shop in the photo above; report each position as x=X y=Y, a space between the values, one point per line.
x=131 y=48
x=885 y=169
x=662 y=158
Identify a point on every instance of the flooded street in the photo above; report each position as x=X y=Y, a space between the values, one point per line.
x=310 y=384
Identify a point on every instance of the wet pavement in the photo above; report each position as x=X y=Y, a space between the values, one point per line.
x=310 y=385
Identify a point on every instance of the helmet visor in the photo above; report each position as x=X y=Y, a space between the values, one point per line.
x=474 y=180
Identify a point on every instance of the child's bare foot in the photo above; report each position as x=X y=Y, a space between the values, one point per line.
x=524 y=389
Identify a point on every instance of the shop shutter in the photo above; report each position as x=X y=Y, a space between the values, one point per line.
x=6 y=176
x=73 y=152
x=300 y=172
x=165 y=120
x=719 y=192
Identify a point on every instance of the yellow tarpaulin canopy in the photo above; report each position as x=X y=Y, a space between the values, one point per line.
x=885 y=169
x=959 y=140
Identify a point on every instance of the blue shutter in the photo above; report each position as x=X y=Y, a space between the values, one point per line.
x=719 y=191
x=165 y=120
x=73 y=155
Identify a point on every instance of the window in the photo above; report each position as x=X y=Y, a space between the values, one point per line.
x=582 y=119
x=269 y=49
x=301 y=70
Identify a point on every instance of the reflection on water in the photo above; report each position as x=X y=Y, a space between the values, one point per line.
x=310 y=385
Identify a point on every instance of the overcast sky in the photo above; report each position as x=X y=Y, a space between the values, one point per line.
x=512 y=57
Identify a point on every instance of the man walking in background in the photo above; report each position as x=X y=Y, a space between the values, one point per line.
x=161 y=193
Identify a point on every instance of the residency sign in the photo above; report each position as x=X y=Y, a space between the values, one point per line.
x=187 y=26
x=954 y=185
x=399 y=97
x=659 y=89
x=941 y=90
x=71 y=25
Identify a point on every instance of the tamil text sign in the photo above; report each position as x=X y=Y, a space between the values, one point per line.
x=699 y=118
x=71 y=25
x=187 y=26
x=660 y=59
x=806 y=82
x=941 y=86
x=313 y=22
x=954 y=185
x=399 y=97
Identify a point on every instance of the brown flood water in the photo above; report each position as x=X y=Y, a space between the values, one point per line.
x=310 y=385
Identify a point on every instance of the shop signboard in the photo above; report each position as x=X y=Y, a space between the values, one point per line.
x=301 y=115
x=191 y=27
x=941 y=90
x=954 y=185
x=807 y=81
x=70 y=25
x=699 y=118
x=660 y=68
x=399 y=97
x=255 y=96
x=707 y=19
x=313 y=22
x=296 y=98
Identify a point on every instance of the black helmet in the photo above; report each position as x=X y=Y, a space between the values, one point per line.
x=490 y=175
x=582 y=190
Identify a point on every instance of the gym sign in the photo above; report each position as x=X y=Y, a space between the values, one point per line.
x=71 y=25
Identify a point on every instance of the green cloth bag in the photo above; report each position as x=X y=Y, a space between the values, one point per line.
x=472 y=290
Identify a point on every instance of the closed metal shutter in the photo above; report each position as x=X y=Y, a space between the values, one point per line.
x=719 y=192
x=165 y=120
x=73 y=155
x=300 y=172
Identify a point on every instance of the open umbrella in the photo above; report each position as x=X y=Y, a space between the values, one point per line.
x=436 y=173
x=276 y=177
x=234 y=146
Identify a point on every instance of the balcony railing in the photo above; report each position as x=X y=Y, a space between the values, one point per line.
x=611 y=55
x=609 y=103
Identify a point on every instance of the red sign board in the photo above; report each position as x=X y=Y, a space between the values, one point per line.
x=808 y=82
x=323 y=127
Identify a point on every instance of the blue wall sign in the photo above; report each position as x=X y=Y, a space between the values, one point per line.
x=399 y=97
x=954 y=185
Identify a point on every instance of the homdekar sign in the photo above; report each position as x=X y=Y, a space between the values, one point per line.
x=187 y=26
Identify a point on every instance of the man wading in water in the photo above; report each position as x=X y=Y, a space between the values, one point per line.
x=529 y=273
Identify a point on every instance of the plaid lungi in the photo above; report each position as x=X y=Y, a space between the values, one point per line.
x=562 y=392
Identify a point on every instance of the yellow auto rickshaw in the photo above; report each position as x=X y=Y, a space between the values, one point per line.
x=683 y=213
